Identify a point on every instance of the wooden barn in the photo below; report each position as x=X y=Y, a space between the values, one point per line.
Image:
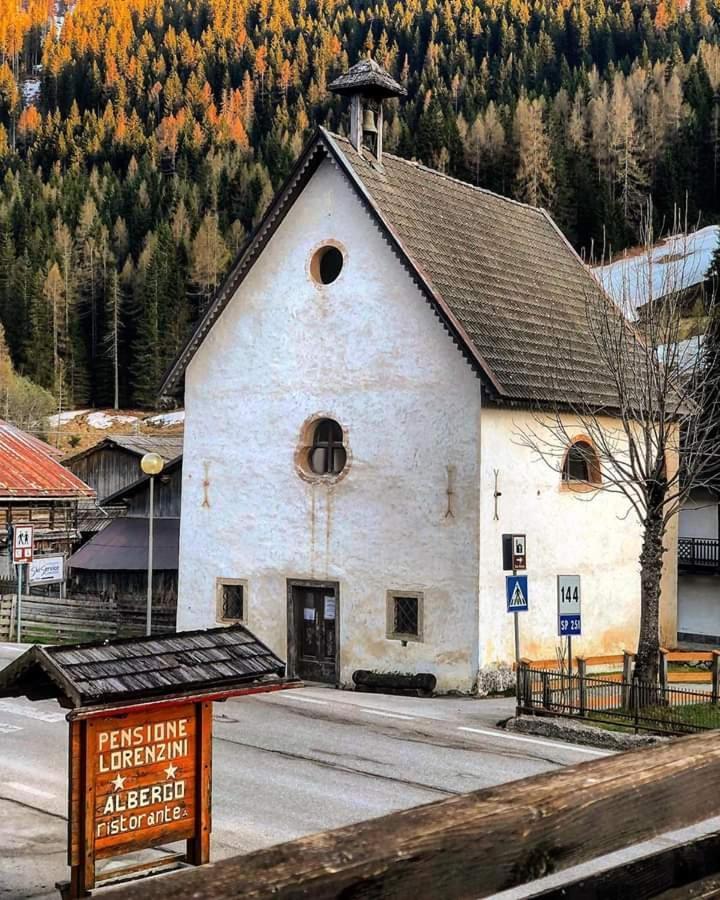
x=35 y=489
x=112 y=563
x=113 y=465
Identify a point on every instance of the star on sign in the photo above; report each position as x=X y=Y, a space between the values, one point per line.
x=119 y=782
x=170 y=771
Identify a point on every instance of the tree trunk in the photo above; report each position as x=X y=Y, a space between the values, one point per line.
x=651 y=558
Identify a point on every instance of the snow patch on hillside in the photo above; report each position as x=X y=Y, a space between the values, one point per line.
x=177 y=417
x=679 y=262
x=103 y=420
x=64 y=417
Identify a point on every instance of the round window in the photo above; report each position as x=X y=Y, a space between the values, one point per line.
x=326 y=265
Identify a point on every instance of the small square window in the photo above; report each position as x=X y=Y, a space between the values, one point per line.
x=404 y=616
x=231 y=600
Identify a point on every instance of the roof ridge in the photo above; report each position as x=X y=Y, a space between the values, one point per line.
x=466 y=184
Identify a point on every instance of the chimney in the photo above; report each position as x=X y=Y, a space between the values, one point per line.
x=367 y=84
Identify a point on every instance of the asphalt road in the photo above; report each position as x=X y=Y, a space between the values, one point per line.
x=284 y=765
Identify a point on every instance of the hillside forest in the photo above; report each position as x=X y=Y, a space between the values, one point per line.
x=141 y=140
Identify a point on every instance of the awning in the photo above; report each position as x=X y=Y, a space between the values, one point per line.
x=123 y=545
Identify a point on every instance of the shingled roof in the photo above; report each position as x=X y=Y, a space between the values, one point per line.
x=508 y=275
x=367 y=77
x=169 y=446
x=503 y=279
x=110 y=671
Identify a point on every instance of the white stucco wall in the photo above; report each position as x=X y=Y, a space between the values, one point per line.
x=586 y=534
x=369 y=352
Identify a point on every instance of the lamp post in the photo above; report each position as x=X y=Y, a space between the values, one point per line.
x=152 y=464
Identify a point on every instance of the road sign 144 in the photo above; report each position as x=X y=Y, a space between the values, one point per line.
x=569 y=605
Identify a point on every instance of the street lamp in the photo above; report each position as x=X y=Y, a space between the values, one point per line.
x=152 y=464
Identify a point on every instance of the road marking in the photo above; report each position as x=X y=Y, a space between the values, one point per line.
x=291 y=696
x=387 y=715
x=6 y=728
x=18 y=710
x=29 y=790
x=513 y=737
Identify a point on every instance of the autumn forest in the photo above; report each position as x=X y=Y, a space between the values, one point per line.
x=141 y=140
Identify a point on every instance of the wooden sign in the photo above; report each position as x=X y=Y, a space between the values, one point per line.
x=144 y=787
x=140 y=777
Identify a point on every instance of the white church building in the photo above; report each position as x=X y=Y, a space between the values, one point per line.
x=354 y=396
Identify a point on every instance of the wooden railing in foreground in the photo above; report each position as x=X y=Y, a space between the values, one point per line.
x=477 y=844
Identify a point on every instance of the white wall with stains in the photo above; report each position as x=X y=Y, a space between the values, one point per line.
x=592 y=534
x=368 y=351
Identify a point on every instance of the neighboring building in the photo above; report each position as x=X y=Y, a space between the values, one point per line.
x=35 y=489
x=353 y=397
x=675 y=264
x=699 y=569
x=681 y=263
x=113 y=464
x=113 y=561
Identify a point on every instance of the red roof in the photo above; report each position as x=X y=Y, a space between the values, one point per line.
x=28 y=470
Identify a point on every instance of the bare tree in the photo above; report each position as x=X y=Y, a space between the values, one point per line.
x=115 y=303
x=656 y=442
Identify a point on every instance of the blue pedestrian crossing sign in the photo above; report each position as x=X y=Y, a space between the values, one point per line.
x=516 y=593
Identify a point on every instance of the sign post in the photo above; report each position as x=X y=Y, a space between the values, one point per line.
x=516 y=596
x=22 y=556
x=569 y=615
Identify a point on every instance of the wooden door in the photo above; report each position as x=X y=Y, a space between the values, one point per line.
x=315 y=616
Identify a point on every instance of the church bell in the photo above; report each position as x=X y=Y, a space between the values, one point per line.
x=369 y=126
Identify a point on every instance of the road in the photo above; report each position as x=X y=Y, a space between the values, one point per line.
x=284 y=765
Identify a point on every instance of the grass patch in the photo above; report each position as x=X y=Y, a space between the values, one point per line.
x=660 y=719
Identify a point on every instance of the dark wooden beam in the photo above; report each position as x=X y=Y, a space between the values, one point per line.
x=668 y=870
x=480 y=843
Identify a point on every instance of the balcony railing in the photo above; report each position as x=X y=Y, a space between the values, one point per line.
x=699 y=554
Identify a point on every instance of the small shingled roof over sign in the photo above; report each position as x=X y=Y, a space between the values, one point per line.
x=83 y=675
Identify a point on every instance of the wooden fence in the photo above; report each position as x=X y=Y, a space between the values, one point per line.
x=478 y=844
x=59 y=620
x=594 y=665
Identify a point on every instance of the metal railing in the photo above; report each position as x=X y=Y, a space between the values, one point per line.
x=699 y=553
x=634 y=705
